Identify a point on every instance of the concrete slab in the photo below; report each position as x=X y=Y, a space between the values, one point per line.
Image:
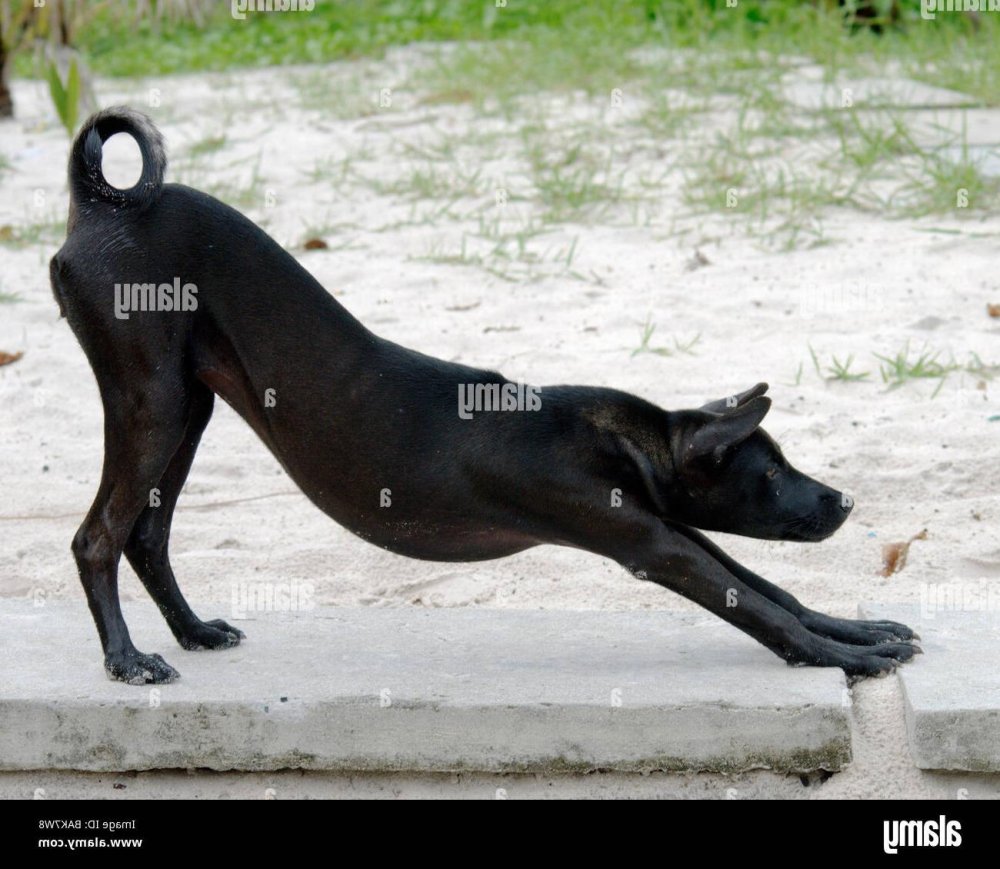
x=417 y=689
x=952 y=692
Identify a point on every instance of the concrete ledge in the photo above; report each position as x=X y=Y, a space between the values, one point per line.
x=952 y=692
x=420 y=690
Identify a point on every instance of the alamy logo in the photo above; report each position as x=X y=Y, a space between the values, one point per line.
x=154 y=297
x=930 y=8
x=485 y=397
x=239 y=8
x=941 y=833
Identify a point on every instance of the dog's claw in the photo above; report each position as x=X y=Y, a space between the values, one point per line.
x=228 y=628
x=136 y=668
x=215 y=634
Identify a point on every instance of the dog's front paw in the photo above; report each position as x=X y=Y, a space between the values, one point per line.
x=857 y=661
x=879 y=660
x=215 y=634
x=856 y=631
x=136 y=668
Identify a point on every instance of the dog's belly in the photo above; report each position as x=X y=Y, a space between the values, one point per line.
x=402 y=506
x=409 y=513
x=432 y=533
x=433 y=542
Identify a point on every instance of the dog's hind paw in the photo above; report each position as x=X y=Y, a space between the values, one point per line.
x=136 y=668
x=215 y=634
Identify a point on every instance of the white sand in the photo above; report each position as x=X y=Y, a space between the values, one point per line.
x=910 y=460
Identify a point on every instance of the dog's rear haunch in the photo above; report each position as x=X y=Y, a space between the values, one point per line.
x=380 y=437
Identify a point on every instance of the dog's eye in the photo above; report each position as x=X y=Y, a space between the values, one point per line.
x=772 y=473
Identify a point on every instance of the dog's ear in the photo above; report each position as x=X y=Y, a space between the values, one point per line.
x=719 y=433
x=732 y=402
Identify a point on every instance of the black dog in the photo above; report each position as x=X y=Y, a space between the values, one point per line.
x=176 y=298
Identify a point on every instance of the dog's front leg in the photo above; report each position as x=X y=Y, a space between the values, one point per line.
x=663 y=555
x=856 y=631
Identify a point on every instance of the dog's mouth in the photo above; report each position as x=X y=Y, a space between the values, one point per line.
x=809 y=528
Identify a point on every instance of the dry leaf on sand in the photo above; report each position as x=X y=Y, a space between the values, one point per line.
x=894 y=554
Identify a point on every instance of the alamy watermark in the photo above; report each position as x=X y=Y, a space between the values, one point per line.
x=154 y=297
x=488 y=397
x=268 y=597
x=938 y=833
x=930 y=8
x=976 y=596
x=849 y=298
x=239 y=8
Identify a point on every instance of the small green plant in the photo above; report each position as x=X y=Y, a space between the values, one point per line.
x=899 y=369
x=798 y=376
x=842 y=371
x=837 y=370
x=648 y=328
x=903 y=367
x=65 y=97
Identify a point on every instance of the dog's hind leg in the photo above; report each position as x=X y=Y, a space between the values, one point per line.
x=147 y=545
x=856 y=631
x=143 y=427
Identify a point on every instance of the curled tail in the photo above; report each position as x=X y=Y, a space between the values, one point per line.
x=86 y=180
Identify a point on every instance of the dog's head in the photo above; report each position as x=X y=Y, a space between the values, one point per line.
x=733 y=477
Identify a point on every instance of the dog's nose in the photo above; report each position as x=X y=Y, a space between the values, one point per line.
x=846 y=502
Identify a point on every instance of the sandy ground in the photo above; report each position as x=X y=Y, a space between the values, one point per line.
x=911 y=460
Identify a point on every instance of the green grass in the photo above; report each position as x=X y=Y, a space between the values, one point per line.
x=207 y=145
x=552 y=35
x=646 y=335
x=780 y=204
x=430 y=182
x=926 y=365
x=944 y=184
x=680 y=64
x=343 y=96
x=902 y=367
x=868 y=139
x=838 y=370
x=250 y=193
x=898 y=369
x=572 y=186
x=331 y=171
x=510 y=246
x=667 y=117
x=19 y=236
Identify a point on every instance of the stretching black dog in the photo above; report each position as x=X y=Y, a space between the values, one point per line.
x=176 y=297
